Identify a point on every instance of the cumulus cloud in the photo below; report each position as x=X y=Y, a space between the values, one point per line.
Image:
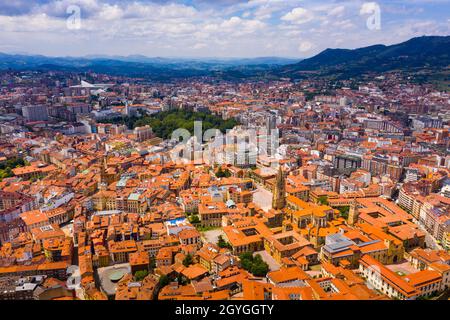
x=337 y=11
x=298 y=16
x=238 y=25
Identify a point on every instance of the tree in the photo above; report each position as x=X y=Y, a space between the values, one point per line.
x=246 y=264
x=182 y=281
x=164 y=281
x=222 y=243
x=257 y=259
x=187 y=261
x=260 y=269
x=254 y=265
x=220 y=173
x=323 y=200
x=344 y=211
x=223 y=173
x=194 y=219
x=7 y=166
x=246 y=256
x=152 y=263
x=140 y=275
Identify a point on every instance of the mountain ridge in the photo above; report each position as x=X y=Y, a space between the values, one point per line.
x=430 y=53
x=420 y=52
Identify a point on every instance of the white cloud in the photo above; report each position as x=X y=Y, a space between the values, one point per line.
x=343 y=24
x=306 y=46
x=298 y=16
x=265 y=9
x=337 y=11
x=199 y=46
x=110 y=13
x=32 y=23
x=239 y=26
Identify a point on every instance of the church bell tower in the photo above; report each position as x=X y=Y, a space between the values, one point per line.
x=279 y=192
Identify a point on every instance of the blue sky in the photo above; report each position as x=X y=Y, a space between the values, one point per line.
x=213 y=28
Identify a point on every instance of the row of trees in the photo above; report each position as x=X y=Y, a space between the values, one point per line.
x=164 y=123
x=129 y=121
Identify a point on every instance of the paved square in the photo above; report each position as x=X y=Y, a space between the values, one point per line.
x=267 y=258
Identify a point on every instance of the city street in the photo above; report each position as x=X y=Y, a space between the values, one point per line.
x=74 y=280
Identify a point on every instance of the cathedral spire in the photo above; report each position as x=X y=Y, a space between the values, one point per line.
x=279 y=191
x=353 y=213
x=103 y=183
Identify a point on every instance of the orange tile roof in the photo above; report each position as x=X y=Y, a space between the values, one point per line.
x=287 y=275
x=391 y=277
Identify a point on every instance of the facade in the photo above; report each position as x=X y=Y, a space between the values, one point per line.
x=35 y=113
x=386 y=281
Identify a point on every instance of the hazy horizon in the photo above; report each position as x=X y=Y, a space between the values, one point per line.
x=131 y=55
x=150 y=57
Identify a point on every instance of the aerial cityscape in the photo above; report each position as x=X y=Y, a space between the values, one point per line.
x=171 y=170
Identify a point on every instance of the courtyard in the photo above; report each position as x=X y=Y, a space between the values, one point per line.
x=212 y=236
x=402 y=269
